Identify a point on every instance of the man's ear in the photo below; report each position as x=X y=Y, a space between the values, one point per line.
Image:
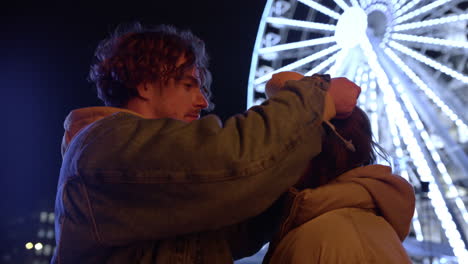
x=145 y=90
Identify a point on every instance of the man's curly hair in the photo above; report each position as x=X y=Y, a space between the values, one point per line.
x=135 y=54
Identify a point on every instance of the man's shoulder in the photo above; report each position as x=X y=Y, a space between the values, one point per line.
x=114 y=123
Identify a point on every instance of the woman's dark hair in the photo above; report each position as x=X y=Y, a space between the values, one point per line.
x=135 y=54
x=335 y=158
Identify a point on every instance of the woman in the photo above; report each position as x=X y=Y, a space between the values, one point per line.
x=344 y=209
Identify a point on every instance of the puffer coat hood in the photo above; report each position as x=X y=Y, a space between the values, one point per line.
x=369 y=187
x=360 y=217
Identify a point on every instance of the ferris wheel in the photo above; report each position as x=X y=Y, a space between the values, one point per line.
x=410 y=58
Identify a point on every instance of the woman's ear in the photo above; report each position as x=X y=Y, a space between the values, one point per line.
x=145 y=90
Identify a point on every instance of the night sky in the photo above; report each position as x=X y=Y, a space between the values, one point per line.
x=45 y=53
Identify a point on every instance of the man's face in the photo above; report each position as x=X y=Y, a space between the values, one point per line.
x=180 y=99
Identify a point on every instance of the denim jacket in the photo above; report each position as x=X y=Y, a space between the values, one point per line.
x=136 y=190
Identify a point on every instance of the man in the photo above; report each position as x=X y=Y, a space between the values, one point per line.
x=144 y=181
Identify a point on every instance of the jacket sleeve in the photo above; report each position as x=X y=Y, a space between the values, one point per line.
x=158 y=178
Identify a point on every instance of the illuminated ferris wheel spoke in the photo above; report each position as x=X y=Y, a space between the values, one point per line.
x=354 y=3
x=397 y=4
x=373 y=105
x=323 y=65
x=429 y=40
x=424 y=59
x=400 y=11
x=298 y=63
x=320 y=8
x=422 y=85
x=300 y=23
x=440 y=166
x=431 y=22
x=417 y=227
x=340 y=61
x=341 y=4
x=421 y=10
x=297 y=45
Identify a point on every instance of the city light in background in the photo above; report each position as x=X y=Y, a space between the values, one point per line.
x=40 y=248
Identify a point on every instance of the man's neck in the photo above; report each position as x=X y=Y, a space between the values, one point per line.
x=140 y=107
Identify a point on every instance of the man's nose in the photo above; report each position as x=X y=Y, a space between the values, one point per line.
x=200 y=100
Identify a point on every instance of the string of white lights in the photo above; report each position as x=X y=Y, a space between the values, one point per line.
x=320 y=8
x=377 y=7
x=323 y=65
x=403 y=171
x=399 y=11
x=298 y=63
x=299 y=23
x=403 y=167
x=368 y=98
x=452 y=234
x=395 y=112
x=297 y=45
x=362 y=79
x=430 y=22
x=421 y=11
x=374 y=117
x=396 y=4
x=341 y=4
x=424 y=59
x=417 y=226
x=452 y=190
x=430 y=94
x=358 y=80
x=373 y=106
x=429 y=40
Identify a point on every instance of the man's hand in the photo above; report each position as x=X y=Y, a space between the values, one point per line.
x=276 y=83
x=345 y=94
x=340 y=100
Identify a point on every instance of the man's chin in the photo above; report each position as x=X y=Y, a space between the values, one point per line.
x=190 y=118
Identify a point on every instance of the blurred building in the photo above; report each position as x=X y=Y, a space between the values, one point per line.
x=29 y=239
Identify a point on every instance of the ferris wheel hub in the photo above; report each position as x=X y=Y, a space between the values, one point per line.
x=351 y=27
x=378 y=23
